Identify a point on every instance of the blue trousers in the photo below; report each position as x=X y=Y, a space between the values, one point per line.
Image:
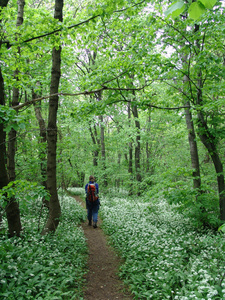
x=92 y=210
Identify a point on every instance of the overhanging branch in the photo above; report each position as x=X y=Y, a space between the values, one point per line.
x=18 y=107
x=52 y=32
x=152 y=105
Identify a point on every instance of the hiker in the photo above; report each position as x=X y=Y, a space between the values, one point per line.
x=92 y=201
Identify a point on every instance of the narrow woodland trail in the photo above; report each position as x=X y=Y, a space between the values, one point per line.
x=103 y=282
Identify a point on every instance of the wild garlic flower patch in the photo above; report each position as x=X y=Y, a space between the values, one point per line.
x=46 y=267
x=164 y=257
x=76 y=190
x=72 y=211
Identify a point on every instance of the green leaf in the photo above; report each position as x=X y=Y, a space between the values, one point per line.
x=208 y=3
x=195 y=10
x=175 y=9
x=222 y=228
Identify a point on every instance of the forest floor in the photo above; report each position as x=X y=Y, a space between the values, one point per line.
x=102 y=281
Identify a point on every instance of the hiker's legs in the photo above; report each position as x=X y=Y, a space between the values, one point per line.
x=95 y=212
x=89 y=214
x=89 y=211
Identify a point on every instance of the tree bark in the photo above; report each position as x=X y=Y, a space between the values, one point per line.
x=42 y=141
x=138 y=144
x=3 y=172
x=96 y=142
x=208 y=138
x=147 y=143
x=3 y=3
x=12 y=208
x=193 y=148
x=130 y=156
x=192 y=141
x=54 y=205
x=209 y=141
x=102 y=128
x=15 y=101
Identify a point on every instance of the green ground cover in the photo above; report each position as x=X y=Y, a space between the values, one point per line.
x=165 y=257
x=45 y=267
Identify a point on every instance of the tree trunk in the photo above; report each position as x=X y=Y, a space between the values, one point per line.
x=3 y=172
x=193 y=148
x=12 y=208
x=130 y=157
x=102 y=128
x=96 y=142
x=147 y=144
x=191 y=130
x=138 y=144
x=208 y=138
x=42 y=141
x=54 y=205
x=15 y=101
x=209 y=142
x=192 y=141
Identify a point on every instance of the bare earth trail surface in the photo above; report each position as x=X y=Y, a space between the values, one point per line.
x=102 y=280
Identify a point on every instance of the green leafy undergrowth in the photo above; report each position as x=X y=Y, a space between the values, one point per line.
x=45 y=267
x=76 y=191
x=164 y=257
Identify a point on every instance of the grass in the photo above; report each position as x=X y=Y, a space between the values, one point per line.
x=49 y=267
x=164 y=256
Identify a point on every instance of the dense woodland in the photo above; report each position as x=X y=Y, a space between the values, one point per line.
x=129 y=91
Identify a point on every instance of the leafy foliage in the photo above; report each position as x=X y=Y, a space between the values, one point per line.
x=195 y=9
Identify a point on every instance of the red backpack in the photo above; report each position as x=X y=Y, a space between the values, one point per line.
x=92 y=195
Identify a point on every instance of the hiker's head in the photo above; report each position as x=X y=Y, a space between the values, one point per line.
x=91 y=178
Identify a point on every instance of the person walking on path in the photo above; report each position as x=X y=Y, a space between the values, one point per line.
x=92 y=201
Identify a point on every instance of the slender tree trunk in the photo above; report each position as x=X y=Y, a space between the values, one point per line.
x=191 y=135
x=15 y=101
x=12 y=209
x=209 y=139
x=130 y=157
x=130 y=154
x=138 y=145
x=3 y=172
x=96 y=142
x=192 y=142
x=54 y=205
x=147 y=144
x=102 y=128
x=209 y=142
x=193 y=148
x=43 y=142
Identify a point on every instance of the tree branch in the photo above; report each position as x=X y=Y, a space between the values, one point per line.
x=52 y=32
x=153 y=106
x=69 y=27
x=167 y=108
x=17 y=107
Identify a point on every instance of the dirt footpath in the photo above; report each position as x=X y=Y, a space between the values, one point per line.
x=103 y=282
